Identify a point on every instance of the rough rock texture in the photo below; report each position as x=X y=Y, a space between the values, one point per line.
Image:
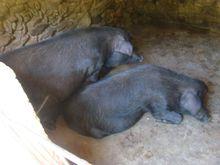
x=202 y=14
x=25 y=22
x=150 y=142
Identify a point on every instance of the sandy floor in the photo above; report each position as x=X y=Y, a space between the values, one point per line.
x=150 y=142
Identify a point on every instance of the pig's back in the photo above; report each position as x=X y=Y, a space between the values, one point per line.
x=137 y=81
x=157 y=73
x=120 y=92
x=50 y=64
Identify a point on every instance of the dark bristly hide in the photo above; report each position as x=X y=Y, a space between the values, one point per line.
x=119 y=100
x=54 y=69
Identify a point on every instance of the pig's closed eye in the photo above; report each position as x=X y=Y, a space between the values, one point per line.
x=199 y=93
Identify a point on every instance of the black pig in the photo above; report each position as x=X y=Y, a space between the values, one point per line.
x=119 y=100
x=52 y=70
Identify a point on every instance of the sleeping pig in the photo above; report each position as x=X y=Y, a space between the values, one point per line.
x=52 y=70
x=119 y=100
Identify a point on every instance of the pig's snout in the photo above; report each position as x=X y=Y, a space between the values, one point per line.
x=136 y=58
x=203 y=116
x=141 y=58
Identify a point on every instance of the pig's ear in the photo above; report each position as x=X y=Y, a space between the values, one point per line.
x=116 y=58
x=120 y=45
x=190 y=102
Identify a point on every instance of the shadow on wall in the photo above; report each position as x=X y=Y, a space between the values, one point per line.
x=197 y=14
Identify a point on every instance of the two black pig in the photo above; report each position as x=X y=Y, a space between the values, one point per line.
x=54 y=69
x=119 y=100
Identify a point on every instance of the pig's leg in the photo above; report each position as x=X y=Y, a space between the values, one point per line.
x=162 y=113
x=48 y=113
x=45 y=105
x=111 y=125
x=169 y=117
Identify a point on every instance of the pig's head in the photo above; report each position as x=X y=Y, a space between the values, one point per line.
x=122 y=52
x=192 y=102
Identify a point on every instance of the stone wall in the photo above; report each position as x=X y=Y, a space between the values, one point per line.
x=200 y=14
x=24 y=22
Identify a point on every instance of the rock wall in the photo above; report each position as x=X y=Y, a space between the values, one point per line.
x=200 y=14
x=25 y=22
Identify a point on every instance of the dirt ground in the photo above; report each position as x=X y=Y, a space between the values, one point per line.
x=150 y=142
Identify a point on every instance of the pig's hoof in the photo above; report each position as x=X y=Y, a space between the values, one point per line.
x=172 y=118
x=175 y=118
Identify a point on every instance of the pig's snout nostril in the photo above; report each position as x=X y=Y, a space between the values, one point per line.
x=135 y=58
x=206 y=119
x=141 y=58
x=203 y=117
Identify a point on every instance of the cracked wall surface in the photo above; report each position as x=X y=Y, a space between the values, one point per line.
x=24 y=22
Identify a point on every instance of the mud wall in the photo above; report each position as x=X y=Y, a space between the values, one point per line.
x=24 y=22
x=200 y=14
